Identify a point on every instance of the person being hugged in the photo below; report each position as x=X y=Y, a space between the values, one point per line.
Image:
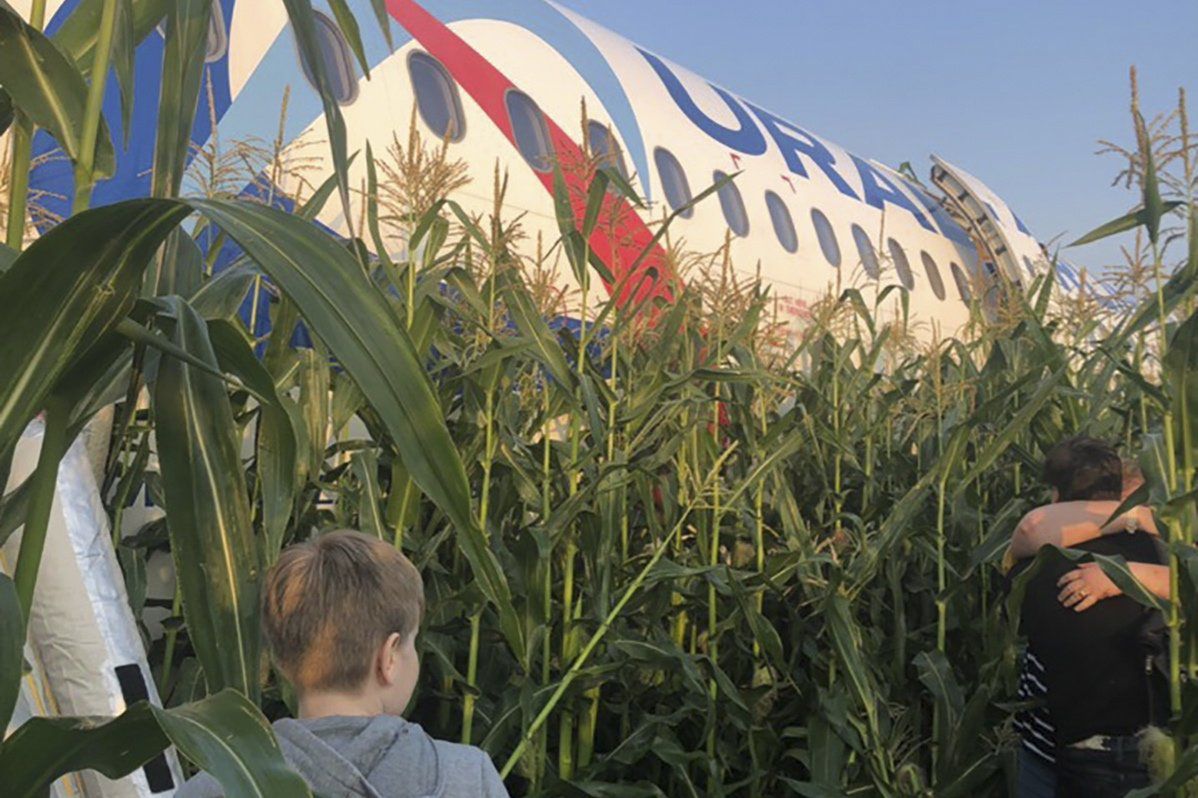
x=340 y=615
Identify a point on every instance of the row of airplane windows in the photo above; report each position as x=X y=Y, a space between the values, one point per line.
x=440 y=107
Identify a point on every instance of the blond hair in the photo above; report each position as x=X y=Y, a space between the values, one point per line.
x=330 y=602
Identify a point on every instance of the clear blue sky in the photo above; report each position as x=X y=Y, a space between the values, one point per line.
x=1017 y=92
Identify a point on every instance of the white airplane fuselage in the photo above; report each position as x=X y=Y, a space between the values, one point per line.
x=506 y=81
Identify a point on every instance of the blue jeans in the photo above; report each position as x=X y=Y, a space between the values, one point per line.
x=1034 y=778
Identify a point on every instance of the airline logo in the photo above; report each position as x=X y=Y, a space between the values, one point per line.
x=756 y=128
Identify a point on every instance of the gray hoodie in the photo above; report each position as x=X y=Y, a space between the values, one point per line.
x=374 y=757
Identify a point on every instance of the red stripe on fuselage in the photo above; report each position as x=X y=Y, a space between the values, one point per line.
x=620 y=236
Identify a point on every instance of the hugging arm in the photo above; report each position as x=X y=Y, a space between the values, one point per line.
x=1070 y=523
x=1086 y=585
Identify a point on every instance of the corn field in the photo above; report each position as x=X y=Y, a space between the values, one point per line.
x=666 y=552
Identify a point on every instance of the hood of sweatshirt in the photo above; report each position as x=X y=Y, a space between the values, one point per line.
x=366 y=757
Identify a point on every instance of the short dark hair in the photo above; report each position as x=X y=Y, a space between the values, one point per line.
x=1084 y=468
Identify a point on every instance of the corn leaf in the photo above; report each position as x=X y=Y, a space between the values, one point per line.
x=7 y=112
x=44 y=749
x=353 y=35
x=65 y=291
x=182 y=72
x=78 y=33
x=303 y=23
x=1129 y=221
x=12 y=648
x=225 y=734
x=228 y=737
x=277 y=446
x=1181 y=374
x=47 y=88
x=208 y=514
x=365 y=465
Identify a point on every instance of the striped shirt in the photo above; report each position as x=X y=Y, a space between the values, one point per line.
x=1034 y=726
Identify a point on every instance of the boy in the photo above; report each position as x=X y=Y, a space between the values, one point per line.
x=340 y=614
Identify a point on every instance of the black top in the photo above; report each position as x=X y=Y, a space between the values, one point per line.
x=1097 y=664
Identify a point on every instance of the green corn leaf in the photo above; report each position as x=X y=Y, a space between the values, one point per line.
x=13 y=508
x=182 y=73
x=78 y=33
x=595 y=195
x=7 y=112
x=314 y=408
x=669 y=220
x=180 y=267
x=220 y=297
x=65 y=291
x=360 y=328
x=365 y=465
x=828 y=753
x=1176 y=290
x=123 y=48
x=1153 y=205
x=846 y=640
x=303 y=24
x=225 y=734
x=279 y=443
x=44 y=749
x=12 y=648
x=1181 y=374
x=384 y=20
x=7 y=256
x=1116 y=568
x=140 y=335
x=228 y=737
x=1141 y=217
x=47 y=88
x=936 y=674
x=208 y=514
x=372 y=214
x=315 y=204
x=532 y=326
x=277 y=447
x=353 y=35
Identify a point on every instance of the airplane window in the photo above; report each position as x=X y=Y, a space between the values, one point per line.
x=902 y=266
x=826 y=236
x=962 y=283
x=865 y=248
x=605 y=147
x=933 y=271
x=732 y=205
x=338 y=61
x=784 y=226
x=218 y=35
x=673 y=182
x=530 y=130
x=437 y=97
